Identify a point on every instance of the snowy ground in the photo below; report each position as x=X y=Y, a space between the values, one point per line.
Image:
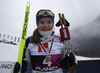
x=8 y=52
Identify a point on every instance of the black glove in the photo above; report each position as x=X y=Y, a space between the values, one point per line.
x=24 y=66
x=71 y=59
x=17 y=67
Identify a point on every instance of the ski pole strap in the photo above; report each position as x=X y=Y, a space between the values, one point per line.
x=64 y=31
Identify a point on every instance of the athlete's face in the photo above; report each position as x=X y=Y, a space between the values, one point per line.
x=45 y=24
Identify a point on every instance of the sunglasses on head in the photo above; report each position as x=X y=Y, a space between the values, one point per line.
x=45 y=12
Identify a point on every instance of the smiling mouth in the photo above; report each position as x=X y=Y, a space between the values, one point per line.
x=45 y=29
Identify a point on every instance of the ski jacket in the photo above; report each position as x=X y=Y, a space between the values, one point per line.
x=36 y=54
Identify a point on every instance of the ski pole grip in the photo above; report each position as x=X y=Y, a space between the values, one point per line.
x=64 y=20
x=60 y=19
x=64 y=31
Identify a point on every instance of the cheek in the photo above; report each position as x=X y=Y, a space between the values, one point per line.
x=40 y=27
x=52 y=26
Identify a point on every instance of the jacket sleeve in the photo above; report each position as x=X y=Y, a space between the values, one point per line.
x=63 y=51
x=26 y=45
x=24 y=63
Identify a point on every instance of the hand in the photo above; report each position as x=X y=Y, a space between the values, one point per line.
x=71 y=59
x=16 y=67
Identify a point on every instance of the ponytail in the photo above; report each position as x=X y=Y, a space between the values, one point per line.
x=35 y=36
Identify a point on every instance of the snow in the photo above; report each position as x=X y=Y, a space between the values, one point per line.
x=8 y=52
x=81 y=58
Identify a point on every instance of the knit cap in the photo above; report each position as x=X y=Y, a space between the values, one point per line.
x=44 y=13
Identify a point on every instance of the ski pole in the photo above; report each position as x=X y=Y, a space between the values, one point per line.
x=68 y=41
x=65 y=36
x=61 y=22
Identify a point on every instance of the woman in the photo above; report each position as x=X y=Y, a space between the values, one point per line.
x=44 y=49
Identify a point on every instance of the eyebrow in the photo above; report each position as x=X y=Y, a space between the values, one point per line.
x=43 y=20
x=49 y=20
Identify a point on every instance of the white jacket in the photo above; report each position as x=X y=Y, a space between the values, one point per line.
x=37 y=56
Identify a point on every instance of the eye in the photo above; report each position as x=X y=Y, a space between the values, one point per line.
x=41 y=22
x=49 y=22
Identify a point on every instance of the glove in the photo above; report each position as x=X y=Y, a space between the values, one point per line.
x=67 y=23
x=71 y=59
x=24 y=66
x=17 y=67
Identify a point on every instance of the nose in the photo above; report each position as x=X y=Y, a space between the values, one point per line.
x=45 y=25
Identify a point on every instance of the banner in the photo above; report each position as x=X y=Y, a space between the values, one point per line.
x=5 y=67
x=7 y=39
